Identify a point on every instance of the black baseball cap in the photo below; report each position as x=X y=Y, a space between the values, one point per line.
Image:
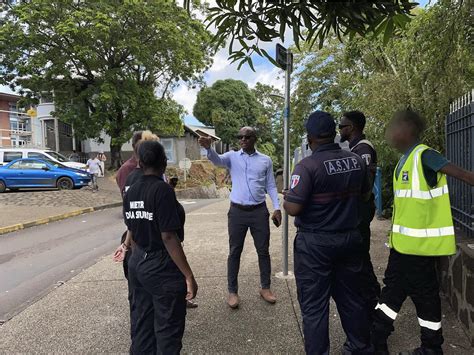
x=320 y=124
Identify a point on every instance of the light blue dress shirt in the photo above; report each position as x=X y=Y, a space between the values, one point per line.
x=252 y=176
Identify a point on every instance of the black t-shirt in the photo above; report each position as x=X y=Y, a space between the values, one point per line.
x=150 y=209
x=132 y=178
x=367 y=153
x=329 y=184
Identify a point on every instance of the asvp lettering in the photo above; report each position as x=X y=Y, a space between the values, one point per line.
x=341 y=166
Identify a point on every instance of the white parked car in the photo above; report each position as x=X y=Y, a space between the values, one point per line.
x=9 y=154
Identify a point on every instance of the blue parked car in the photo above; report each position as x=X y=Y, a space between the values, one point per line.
x=39 y=173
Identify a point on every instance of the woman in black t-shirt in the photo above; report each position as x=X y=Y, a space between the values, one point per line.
x=160 y=278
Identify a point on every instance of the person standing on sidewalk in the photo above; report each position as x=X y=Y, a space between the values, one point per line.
x=422 y=231
x=252 y=177
x=351 y=129
x=325 y=194
x=160 y=278
x=94 y=168
x=102 y=158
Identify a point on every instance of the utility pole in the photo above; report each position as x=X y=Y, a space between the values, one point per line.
x=284 y=58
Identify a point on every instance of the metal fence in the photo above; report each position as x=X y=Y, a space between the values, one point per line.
x=460 y=151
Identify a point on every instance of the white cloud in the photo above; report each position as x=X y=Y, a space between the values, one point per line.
x=265 y=73
x=6 y=89
x=186 y=96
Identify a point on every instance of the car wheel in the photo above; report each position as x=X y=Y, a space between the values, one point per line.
x=3 y=187
x=65 y=183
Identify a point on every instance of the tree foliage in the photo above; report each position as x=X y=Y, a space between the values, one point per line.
x=110 y=63
x=423 y=69
x=270 y=124
x=228 y=105
x=247 y=23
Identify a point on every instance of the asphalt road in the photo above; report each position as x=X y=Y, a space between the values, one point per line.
x=35 y=260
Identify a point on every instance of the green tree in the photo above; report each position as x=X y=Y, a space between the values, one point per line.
x=423 y=69
x=270 y=123
x=228 y=105
x=248 y=23
x=110 y=63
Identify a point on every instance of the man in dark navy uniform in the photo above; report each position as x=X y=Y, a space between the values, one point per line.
x=325 y=194
x=351 y=129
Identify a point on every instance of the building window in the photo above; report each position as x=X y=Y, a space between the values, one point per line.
x=46 y=98
x=168 y=144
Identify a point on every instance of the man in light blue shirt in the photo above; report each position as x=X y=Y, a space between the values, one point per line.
x=252 y=178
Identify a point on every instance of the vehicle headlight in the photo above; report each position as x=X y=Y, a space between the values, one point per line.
x=83 y=175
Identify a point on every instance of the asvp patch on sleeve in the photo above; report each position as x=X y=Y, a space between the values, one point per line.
x=295 y=179
x=367 y=158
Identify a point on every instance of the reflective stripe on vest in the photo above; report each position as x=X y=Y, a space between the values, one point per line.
x=421 y=233
x=424 y=195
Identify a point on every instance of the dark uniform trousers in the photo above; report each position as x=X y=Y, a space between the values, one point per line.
x=158 y=303
x=371 y=285
x=413 y=276
x=239 y=221
x=326 y=265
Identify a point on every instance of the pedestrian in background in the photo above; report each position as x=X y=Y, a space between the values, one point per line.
x=351 y=129
x=160 y=278
x=94 y=169
x=129 y=165
x=325 y=194
x=422 y=230
x=252 y=178
x=102 y=158
x=74 y=156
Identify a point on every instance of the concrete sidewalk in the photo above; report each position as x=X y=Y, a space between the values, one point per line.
x=89 y=314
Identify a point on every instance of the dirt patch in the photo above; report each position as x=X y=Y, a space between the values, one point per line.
x=201 y=173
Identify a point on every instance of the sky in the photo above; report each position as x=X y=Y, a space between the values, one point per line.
x=265 y=73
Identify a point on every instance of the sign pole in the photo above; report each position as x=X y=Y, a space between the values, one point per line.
x=286 y=163
x=284 y=58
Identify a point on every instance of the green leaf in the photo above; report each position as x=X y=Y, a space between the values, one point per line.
x=388 y=31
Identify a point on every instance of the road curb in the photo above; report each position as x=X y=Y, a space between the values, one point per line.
x=38 y=222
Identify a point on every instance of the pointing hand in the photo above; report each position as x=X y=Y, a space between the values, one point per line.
x=205 y=142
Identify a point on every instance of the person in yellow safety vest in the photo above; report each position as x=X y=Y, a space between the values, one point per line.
x=422 y=231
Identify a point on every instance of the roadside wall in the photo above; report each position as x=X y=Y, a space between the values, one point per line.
x=457 y=284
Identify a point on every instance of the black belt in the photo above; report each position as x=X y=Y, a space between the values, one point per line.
x=247 y=207
x=142 y=253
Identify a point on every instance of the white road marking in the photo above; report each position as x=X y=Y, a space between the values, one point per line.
x=187 y=202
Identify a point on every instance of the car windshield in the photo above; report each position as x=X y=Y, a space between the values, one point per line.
x=57 y=156
x=54 y=163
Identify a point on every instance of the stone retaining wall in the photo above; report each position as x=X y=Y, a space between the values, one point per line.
x=457 y=283
x=203 y=192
